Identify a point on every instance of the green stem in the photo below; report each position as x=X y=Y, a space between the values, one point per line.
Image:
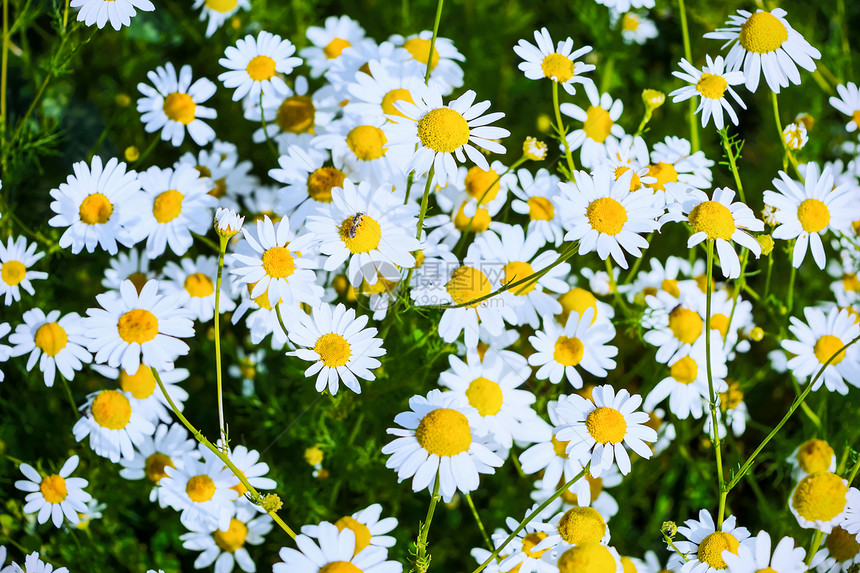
x=530 y=517
x=853 y=473
x=712 y=397
x=147 y=151
x=422 y=561
x=221 y=424
x=4 y=68
x=688 y=54
x=420 y=227
x=637 y=263
x=789 y=302
x=724 y=136
x=478 y=520
x=613 y=286
x=767 y=276
x=69 y=394
x=785 y=147
x=561 y=130
x=814 y=545
x=198 y=435
x=271 y=145
x=433 y=39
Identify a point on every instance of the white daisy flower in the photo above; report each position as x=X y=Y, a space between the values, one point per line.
x=113 y=425
x=674 y=323
x=56 y=343
x=819 y=338
x=143 y=392
x=54 y=496
x=851 y=515
x=439 y=438
x=848 y=103
x=445 y=73
x=173 y=105
x=795 y=136
x=367 y=526
x=711 y=85
x=583 y=343
x=130 y=265
x=329 y=41
x=755 y=554
x=810 y=457
x=492 y=389
x=558 y=63
x=118 y=12
x=605 y=216
x=227 y=548
x=357 y=58
x=765 y=43
x=217 y=12
x=253 y=65
x=443 y=132
x=461 y=213
x=174 y=204
x=637 y=29
x=229 y=178
x=599 y=120
x=32 y=563
x=193 y=282
x=203 y=491
x=687 y=384
x=705 y=546
x=339 y=345
x=307 y=182
x=228 y=222
x=294 y=116
x=537 y=196
x=335 y=551
x=586 y=491
x=673 y=163
x=92 y=204
x=167 y=446
x=721 y=220
x=251 y=468
x=385 y=82
x=819 y=500
x=841 y=550
x=16 y=258
x=806 y=210
x=521 y=554
x=369 y=227
x=132 y=328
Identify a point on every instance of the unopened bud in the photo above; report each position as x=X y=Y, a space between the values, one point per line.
x=122 y=100
x=756 y=334
x=653 y=99
x=795 y=135
x=228 y=222
x=766 y=242
x=544 y=123
x=271 y=502
x=132 y=153
x=807 y=120
x=534 y=149
x=669 y=529
x=314 y=456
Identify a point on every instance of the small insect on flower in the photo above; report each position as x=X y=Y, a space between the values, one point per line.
x=355 y=225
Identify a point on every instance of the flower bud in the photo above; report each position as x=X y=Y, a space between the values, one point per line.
x=132 y=153
x=534 y=149
x=653 y=99
x=228 y=222
x=766 y=242
x=795 y=135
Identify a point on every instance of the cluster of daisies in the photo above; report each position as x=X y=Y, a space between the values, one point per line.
x=337 y=243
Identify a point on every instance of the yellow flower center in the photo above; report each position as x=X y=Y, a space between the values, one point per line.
x=598 y=124
x=606 y=425
x=712 y=86
x=199 y=285
x=720 y=323
x=606 y=215
x=731 y=398
x=767 y=570
x=595 y=487
x=200 y=488
x=482 y=185
x=233 y=538
x=154 y=466
x=420 y=50
x=684 y=370
x=560 y=447
x=671 y=287
x=333 y=349
x=581 y=525
x=841 y=545
x=296 y=114
x=53 y=489
x=813 y=215
x=516 y=271
x=480 y=221
x=322 y=181
x=820 y=496
x=335 y=48
x=12 y=272
x=827 y=346
x=568 y=351
x=278 y=262
x=635 y=182
x=111 y=410
x=577 y=300
x=51 y=338
x=762 y=32
x=314 y=455
x=589 y=557
x=814 y=456
x=167 y=206
x=443 y=130
x=630 y=23
x=557 y=67
x=394 y=96
x=444 y=432
x=855 y=117
x=366 y=142
x=261 y=68
x=540 y=209
x=95 y=209
x=263 y=300
x=711 y=548
x=137 y=325
x=141 y=384
x=850 y=282
x=362 y=533
x=360 y=236
x=485 y=396
x=221 y=5
x=339 y=567
x=714 y=219
x=466 y=284
x=179 y=107
x=664 y=173
x=529 y=542
x=685 y=324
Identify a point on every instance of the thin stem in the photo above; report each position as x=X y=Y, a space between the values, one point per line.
x=221 y=424
x=785 y=147
x=4 y=67
x=789 y=302
x=198 y=435
x=280 y=319
x=814 y=545
x=422 y=562
x=767 y=276
x=688 y=54
x=853 y=473
x=147 y=151
x=613 y=286
x=266 y=128
x=794 y=406
x=69 y=394
x=480 y=523
x=712 y=398
x=433 y=39
x=637 y=263
x=530 y=517
x=420 y=227
x=724 y=135
x=561 y=130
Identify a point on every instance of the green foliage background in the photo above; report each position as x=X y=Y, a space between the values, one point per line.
x=85 y=107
